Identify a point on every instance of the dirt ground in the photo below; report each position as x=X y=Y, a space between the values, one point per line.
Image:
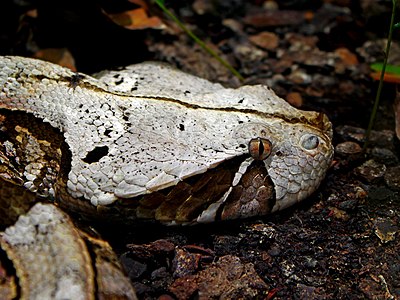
x=341 y=243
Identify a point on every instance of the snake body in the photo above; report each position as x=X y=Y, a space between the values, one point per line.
x=144 y=142
x=172 y=145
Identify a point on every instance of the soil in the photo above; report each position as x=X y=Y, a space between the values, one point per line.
x=341 y=243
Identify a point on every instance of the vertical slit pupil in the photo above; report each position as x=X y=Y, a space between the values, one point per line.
x=260 y=147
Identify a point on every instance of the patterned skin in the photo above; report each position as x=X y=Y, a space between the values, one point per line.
x=152 y=142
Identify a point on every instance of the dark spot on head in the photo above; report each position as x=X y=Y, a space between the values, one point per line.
x=186 y=92
x=278 y=153
x=133 y=88
x=96 y=154
x=107 y=132
x=242 y=146
x=116 y=75
x=119 y=81
x=181 y=127
x=241 y=100
x=75 y=79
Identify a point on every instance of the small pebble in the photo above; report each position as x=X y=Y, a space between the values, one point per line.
x=384 y=156
x=266 y=40
x=385 y=230
x=392 y=177
x=348 y=149
x=371 y=170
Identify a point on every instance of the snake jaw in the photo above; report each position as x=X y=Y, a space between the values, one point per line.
x=298 y=172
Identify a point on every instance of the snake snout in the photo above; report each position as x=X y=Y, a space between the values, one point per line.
x=298 y=171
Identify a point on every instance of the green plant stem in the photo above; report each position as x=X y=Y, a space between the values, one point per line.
x=198 y=41
x=379 y=91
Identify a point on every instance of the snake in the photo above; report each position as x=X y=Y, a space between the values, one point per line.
x=148 y=142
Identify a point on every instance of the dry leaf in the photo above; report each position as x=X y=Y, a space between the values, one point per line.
x=60 y=56
x=389 y=77
x=136 y=19
x=348 y=58
x=294 y=99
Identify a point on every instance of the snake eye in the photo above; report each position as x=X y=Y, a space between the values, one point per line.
x=310 y=141
x=260 y=148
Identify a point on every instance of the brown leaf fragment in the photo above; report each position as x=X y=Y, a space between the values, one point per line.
x=136 y=19
x=33 y=13
x=60 y=56
x=348 y=58
x=301 y=42
x=392 y=78
x=295 y=99
x=265 y=40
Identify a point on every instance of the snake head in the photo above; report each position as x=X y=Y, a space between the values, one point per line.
x=298 y=165
x=287 y=164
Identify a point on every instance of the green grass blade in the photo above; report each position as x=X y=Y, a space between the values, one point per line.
x=160 y=3
x=379 y=91
x=389 y=68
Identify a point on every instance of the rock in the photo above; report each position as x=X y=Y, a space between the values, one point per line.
x=348 y=150
x=228 y=278
x=266 y=40
x=371 y=170
x=382 y=138
x=294 y=99
x=392 y=177
x=348 y=58
x=299 y=76
x=384 y=156
x=133 y=268
x=184 y=263
x=385 y=230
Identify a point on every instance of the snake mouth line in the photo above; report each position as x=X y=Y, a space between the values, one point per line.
x=208 y=197
x=254 y=195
